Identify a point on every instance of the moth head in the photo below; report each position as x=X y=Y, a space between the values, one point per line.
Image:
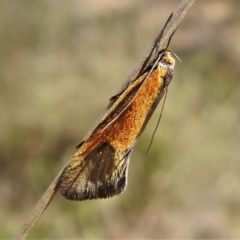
x=167 y=59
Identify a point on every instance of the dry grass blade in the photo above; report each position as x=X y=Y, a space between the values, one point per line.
x=177 y=17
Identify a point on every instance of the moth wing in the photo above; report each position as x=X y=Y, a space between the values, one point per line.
x=101 y=174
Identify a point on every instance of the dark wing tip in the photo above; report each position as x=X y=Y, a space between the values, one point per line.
x=100 y=174
x=95 y=190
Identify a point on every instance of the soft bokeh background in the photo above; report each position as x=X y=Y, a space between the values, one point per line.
x=60 y=62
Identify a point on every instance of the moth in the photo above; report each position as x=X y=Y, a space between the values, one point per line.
x=99 y=167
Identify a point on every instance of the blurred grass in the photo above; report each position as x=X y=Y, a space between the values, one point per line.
x=59 y=65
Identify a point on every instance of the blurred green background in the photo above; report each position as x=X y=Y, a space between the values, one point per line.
x=60 y=62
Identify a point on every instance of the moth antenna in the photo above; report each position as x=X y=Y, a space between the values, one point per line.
x=159 y=119
x=177 y=57
x=169 y=40
x=157 y=41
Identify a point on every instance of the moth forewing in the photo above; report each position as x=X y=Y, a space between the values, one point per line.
x=165 y=64
x=98 y=169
